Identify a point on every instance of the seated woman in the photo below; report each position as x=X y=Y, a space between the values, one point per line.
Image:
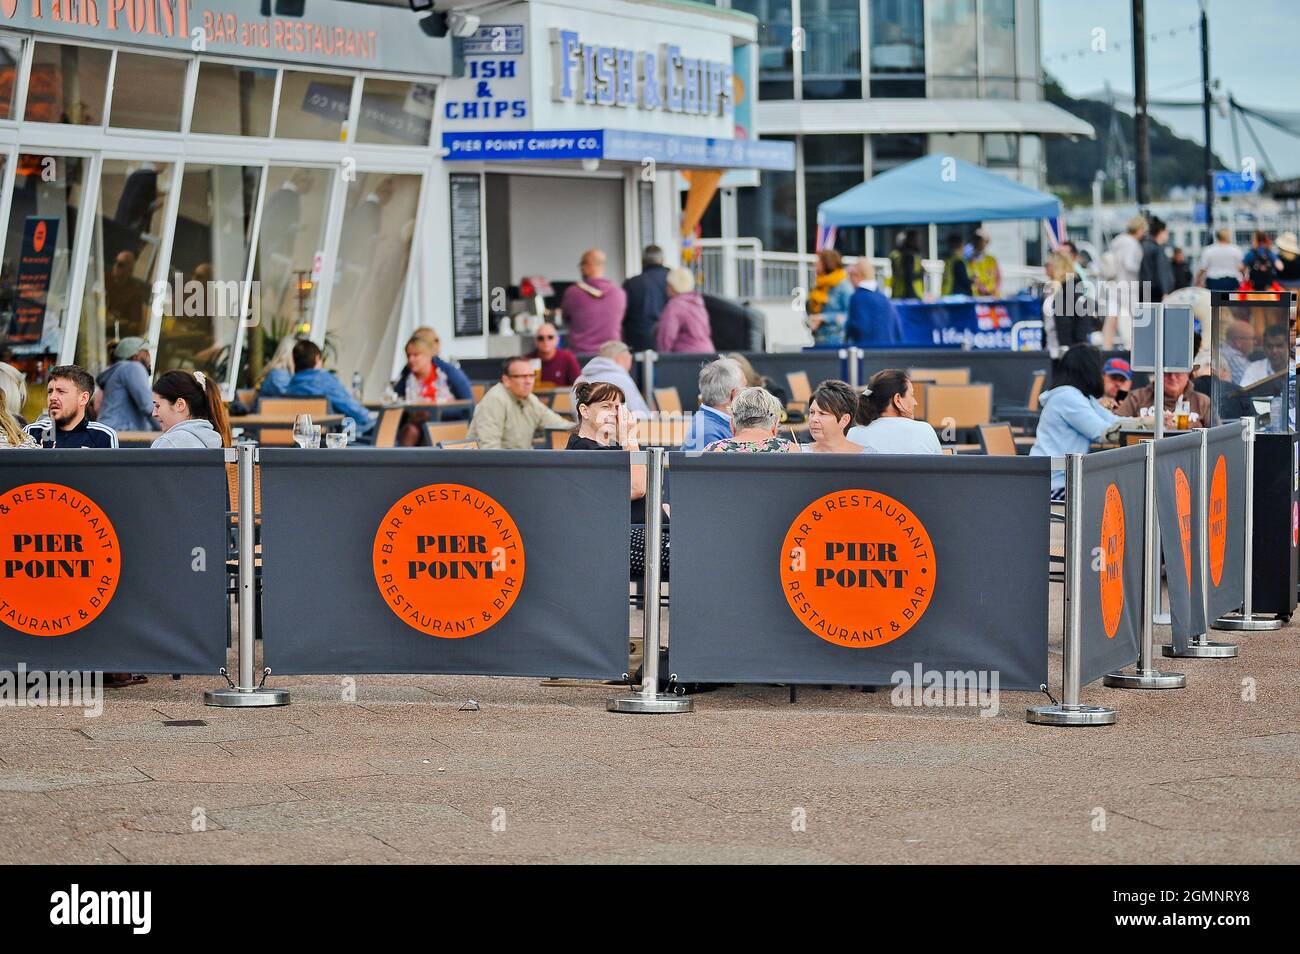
x=1073 y=416
x=831 y=413
x=427 y=379
x=11 y=432
x=887 y=418
x=278 y=371
x=755 y=414
x=189 y=407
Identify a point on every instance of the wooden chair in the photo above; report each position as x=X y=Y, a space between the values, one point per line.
x=557 y=438
x=390 y=419
x=800 y=392
x=562 y=402
x=459 y=445
x=918 y=391
x=667 y=401
x=940 y=375
x=247 y=396
x=948 y=451
x=665 y=430
x=1026 y=414
x=996 y=440
x=958 y=405
x=478 y=390
x=288 y=408
x=439 y=431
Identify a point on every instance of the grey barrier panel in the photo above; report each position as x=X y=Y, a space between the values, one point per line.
x=940 y=562
x=113 y=560
x=448 y=596
x=1178 y=507
x=1226 y=516
x=1114 y=501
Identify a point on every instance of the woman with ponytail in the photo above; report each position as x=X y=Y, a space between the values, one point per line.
x=887 y=418
x=189 y=407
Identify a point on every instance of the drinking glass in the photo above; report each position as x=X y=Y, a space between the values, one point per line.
x=339 y=439
x=302 y=431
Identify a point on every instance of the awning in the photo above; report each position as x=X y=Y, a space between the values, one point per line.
x=618 y=145
x=892 y=116
x=936 y=189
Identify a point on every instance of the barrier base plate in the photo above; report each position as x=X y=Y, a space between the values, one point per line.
x=635 y=702
x=1145 y=679
x=1205 y=650
x=246 y=698
x=1076 y=715
x=1246 y=624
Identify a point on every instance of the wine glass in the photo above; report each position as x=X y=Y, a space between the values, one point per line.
x=304 y=431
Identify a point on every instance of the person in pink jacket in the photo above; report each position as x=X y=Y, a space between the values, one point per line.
x=684 y=323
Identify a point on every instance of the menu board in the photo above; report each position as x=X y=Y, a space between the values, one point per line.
x=467 y=254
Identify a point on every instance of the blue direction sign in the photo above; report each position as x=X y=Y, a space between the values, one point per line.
x=1236 y=183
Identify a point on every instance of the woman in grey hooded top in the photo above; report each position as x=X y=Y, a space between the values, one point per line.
x=189 y=407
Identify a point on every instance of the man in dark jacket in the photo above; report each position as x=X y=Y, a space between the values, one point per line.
x=1156 y=274
x=647 y=294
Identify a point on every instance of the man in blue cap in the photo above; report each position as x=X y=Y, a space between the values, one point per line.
x=1118 y=376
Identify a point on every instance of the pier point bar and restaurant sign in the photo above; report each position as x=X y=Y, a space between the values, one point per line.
x=330 y=31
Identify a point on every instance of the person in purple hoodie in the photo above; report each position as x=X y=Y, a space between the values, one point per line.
x=684 y=323
x=593 y=306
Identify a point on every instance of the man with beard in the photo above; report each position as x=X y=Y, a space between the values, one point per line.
x=65 y=423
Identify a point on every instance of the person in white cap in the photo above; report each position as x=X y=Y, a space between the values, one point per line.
x=127 y=403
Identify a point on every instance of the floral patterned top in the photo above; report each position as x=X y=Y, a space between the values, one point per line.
x=773 y=445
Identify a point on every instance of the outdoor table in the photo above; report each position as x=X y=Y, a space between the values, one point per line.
x=437 y=409
x=258 y=421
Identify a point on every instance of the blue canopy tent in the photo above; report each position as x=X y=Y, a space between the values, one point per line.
x=935 y=189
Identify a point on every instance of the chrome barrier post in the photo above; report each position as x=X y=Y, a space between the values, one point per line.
x=1069 y=711
x=1158 y=311
x=1201 y=646
x=1145 y=675
x=247 y=693
x=650 y=699
x=648 y=374
x=1244 y=621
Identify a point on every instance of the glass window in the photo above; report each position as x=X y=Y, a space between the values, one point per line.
x=770 y=211
x=214 y=224
x=890 y=151
x=832 y=59
x=775 y=46
x=897 y=48
x=313 y=106
x=395 y=112
x=370 y=274
x=1001 y=149
x=953 y=41
x=67 y=84
x=998 y=66
x=11 y=51
x=832 y=164
x=123 y=257
x=233 y=100
x=964 y=146
x=148 y=92
x=291 y=236
x=34 y=276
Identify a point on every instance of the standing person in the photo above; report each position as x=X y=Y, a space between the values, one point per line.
x=127 y=403
x=720 y=382
x=828 y=303
x=831 y=412
x=1122 y=264
x=189 y=407
x=1288 y=248
x=593 y=306
x=1182 y=269
x=510 y=412
x=1156 y=274
x=65 y=422
x=1261 y=264
x=985 y=273
x=613 y=365
x=559 y=365
x=1073 y=416
x=906 y=277
x=956 y=278
x=647 y=294
x=310 y=379
x=684 y=325
x=886 y=418
x=1220 y=265
x=873 y=319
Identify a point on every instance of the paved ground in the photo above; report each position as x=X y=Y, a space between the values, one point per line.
x=403 y=775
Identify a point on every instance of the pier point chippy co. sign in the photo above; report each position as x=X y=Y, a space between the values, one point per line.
x=330 y=31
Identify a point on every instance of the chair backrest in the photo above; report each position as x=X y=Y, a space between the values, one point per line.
x=958 y=405
x=458 y=445
x=288 y=408
x=918 y=391
x=478 y=390
x=439 y=431
x=940 y=375
x=562 y=402
x=247 y=396
x=800 y=387
x=996 y=440
x=232 y=489
x=664 y=430
x=667 y=400
x=947 y=452
x=1036 y=390
x=558 y=437
x=390 y=419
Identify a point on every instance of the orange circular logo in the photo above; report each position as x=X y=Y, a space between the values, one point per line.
x=449 y=560
x=59 y=559
x=857 y=568
x=1183 y=501
x=1218 y=528
x=38 y=237
x=1112 y=561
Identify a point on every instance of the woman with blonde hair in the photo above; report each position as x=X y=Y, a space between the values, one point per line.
x=11 y=435
x=275 y=376
x=13 y=387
